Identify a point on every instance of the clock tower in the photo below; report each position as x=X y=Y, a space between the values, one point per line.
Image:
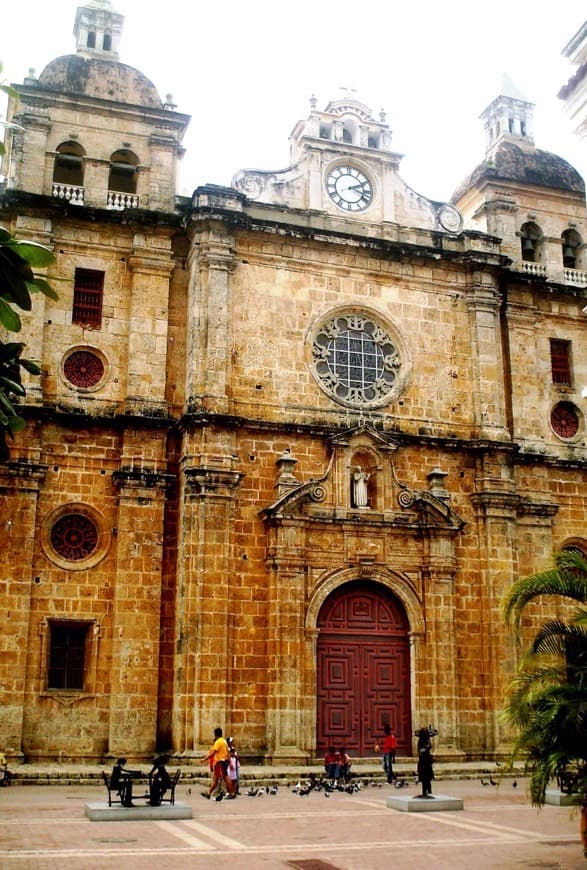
x=342 y=164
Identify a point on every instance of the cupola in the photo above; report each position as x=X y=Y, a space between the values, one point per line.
x=97 y=30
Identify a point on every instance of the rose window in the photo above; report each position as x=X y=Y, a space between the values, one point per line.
x=564 y=420
x=74 y=537
x=355 y=360
x=82 y=368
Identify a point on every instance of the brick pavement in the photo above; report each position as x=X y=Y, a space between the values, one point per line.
x=44 y=828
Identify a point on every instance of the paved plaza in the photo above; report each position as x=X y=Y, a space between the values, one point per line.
x=45 y=827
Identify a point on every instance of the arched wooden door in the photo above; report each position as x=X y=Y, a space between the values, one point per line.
x=363 y=666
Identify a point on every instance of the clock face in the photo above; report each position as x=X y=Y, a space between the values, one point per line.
x=349 y=188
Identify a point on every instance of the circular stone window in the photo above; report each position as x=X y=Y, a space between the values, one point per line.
x=84 y=368
x=565 y=421
x=73 y=537
x=356 y=360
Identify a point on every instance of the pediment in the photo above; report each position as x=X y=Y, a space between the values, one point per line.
x=359 y=486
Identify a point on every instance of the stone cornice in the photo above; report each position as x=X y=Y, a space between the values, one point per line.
x=25 y=475
x=134 y=477
x=205 y=481
x=212 y=202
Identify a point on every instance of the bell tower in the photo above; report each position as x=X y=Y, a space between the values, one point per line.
x=97 y=30
x=509 y=118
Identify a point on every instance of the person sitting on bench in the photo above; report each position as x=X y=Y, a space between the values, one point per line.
x=121 y=781
x=159 y=781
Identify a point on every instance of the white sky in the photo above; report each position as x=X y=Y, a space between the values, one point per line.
x=245 y=72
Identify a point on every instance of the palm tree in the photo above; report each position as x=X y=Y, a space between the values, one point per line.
x=547 y=699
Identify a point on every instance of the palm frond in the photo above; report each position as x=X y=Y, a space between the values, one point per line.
x=567 y=578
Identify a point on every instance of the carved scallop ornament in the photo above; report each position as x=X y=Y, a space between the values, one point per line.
x=358 y=359
x=84 y=368
x=74 y=537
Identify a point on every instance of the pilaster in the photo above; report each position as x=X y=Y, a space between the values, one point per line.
x=488 y=389
x=210 y=351
x=203 y=617
x=151 y=267
x=439 y=656
x=136 y=613
x=286 y=645
x=496 y=505
x=20 y=483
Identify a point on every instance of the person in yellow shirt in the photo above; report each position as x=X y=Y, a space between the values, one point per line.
x=218 y=759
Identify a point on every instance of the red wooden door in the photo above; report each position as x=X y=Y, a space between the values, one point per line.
x=363 y=670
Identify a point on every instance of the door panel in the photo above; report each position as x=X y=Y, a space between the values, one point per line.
x=363 y=670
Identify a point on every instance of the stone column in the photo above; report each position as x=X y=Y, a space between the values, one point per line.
x=203 y=612
x=136 y=612
x=20 y=483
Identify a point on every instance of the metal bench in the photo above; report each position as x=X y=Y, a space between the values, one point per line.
x=170 y=798
x=111 y=800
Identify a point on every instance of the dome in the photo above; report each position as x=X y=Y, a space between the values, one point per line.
x=510 y=162
x=100 y=78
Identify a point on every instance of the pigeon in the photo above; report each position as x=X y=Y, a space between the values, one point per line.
x=498 y=764
x=492 y=781
x=326 y=794
x=515 y=783
x=189 y=791
x=252 y=792
x=484 y=782
x=219 y=796
x=273 y=790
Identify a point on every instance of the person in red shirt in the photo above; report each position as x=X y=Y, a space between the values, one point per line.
x=388 y=748
x=331 y=763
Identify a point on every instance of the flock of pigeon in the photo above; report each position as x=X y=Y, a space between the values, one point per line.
x=327 y=786
x=491 y=780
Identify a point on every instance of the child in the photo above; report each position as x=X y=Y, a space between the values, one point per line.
x=233 y=765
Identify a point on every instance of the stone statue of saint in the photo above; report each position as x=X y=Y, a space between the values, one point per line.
x=360 y=478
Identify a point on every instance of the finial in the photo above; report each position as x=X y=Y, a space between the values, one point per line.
x=313 y=102
x=383 y=116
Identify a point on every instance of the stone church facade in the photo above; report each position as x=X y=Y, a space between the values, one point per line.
x=293 y=438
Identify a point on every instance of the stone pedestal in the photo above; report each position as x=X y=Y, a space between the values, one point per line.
x=554 y=797
x=410 y=803
x=99 y=811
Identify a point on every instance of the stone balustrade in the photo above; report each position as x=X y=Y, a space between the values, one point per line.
x=121 y=201
x=70 y=192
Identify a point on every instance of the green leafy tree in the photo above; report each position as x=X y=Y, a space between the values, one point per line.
x=547 y=699
x=18 y=283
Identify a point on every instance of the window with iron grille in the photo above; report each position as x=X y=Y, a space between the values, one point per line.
x=88 y=292
x=560 y=360
x=67 y=652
